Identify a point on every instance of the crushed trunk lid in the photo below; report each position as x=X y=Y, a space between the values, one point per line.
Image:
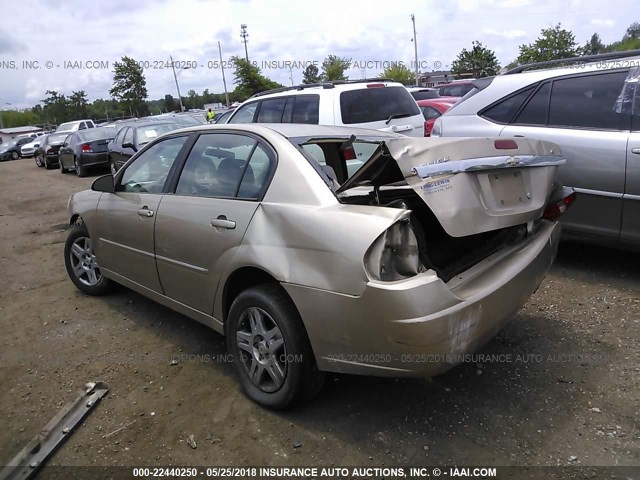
x=472 y=185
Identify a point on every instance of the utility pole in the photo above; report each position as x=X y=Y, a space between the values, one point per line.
x=177 y=86
x=415 y=48
x=291 y=75
x=224 y=82
x=244 y=35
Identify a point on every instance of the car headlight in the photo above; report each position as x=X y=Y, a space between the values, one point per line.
x=394 y=254
x=436 y=131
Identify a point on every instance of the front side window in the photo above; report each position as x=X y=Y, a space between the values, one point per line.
x=225 y=165
x=128 y=136
x=245 y=113
x=588 y=101
x=149 y=171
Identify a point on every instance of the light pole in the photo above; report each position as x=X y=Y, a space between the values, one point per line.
x=415 y=47
x=224 y=81
x=176 y=79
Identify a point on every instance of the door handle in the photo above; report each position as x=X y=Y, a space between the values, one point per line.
x=222 y=222
x=145 y=212
x=636 y=151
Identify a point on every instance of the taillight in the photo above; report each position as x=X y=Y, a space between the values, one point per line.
x=436 y=130
x=375 y=85
x=349 y=153
x=426 y=129
x=394 y=254
x=47 y=148
x=554 y=210
x=86 y=148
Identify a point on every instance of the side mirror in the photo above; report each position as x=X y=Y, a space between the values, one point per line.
x=129 y=145
x=103 y=184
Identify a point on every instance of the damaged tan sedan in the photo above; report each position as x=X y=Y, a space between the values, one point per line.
x=318 y=249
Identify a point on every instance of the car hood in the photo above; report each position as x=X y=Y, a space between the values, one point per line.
x=472 y=185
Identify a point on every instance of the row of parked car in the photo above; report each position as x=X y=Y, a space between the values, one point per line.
x=82 y=145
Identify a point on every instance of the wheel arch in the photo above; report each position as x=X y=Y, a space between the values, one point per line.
x=241 y=279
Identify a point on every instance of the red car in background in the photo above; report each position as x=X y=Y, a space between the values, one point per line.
x=433 y=108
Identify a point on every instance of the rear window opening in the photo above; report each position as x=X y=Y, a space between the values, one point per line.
x=367 y=105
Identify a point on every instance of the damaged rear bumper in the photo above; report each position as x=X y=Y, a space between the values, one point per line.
x=422 y=326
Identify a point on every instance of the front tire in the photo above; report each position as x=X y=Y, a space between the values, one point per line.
x=82 y=266
x=62 y=169
x=272 y=354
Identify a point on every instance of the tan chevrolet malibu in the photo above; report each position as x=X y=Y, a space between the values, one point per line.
x=325 y=249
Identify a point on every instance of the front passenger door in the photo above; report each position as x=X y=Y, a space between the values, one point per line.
x=126 y=218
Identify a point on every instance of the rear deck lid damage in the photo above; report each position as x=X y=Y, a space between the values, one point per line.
x=472 y=185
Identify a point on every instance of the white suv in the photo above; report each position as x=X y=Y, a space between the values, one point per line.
x=76 y=125
x=372 y=103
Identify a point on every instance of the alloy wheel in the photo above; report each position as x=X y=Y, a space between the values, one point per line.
x=83 y=262
x=262 y=351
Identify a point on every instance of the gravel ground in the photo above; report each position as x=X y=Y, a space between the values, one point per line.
x=566 y=393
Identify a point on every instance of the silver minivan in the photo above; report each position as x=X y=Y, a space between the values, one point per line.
x=590 y=107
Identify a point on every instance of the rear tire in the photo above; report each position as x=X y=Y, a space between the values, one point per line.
x=81 y=171
x=81 y=264
x=62 y=169
x=272 y=353
x=14 y=155
x=39 y=160
x=47 y=165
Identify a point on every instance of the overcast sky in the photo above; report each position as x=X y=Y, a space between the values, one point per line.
x=366 y=31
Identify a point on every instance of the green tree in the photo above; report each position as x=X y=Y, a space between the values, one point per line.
x=78 y=103
x=333 y=68
x=56 y=107
x=553 y=43
x=630 y=40
x=170 y=104
x=593 y=46
x=311 y=75
x=477 y=62
x=400 y=73
x=248 y=79
x=130 y=86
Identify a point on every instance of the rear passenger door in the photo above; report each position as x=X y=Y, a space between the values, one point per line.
x=200 y=226
x=580 y=114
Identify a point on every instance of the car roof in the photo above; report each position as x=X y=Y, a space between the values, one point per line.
x=321 y=87
x=291 y=130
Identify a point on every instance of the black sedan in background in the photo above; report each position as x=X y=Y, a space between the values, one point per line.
x=86 y=149
x=11 y=149
x=47 y=153
x=132 y=137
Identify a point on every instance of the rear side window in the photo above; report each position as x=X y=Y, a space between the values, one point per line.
x=503 y=111
x=588 y=101
x=271 y=110
x=376 y=104
x=456 y=90
x=535 y=111
x=430 y=112
x=306 y=109
x=425 y=94
x=244 y=114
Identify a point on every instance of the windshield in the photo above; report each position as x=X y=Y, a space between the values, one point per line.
x=66 y=126
x=148 y=132
x=366 y=105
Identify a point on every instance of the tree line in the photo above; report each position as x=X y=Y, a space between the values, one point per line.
x=129 y=96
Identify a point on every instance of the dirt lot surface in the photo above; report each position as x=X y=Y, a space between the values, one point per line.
x=570 y=394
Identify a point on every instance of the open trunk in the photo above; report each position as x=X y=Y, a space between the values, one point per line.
x=469 y=197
